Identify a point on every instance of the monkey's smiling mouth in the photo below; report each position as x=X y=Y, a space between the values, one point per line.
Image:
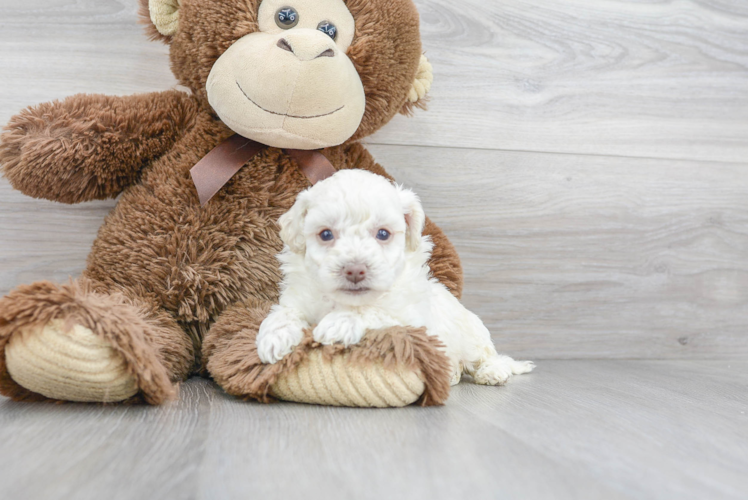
x=283 y=114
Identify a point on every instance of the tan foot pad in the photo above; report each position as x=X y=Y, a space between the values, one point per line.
x=337 y=383
x=73 y=365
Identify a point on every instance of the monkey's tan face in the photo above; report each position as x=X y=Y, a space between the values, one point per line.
x=290 y=84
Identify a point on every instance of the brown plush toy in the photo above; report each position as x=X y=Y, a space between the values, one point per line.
x=174 y=287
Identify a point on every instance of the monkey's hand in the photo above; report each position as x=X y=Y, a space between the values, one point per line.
x=88 y=146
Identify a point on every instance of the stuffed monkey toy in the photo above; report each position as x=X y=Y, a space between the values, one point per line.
x=179 y=279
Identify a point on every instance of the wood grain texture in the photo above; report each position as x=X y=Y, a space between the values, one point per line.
x=652 y=79
x=54 y=48
x=566 y=255
x=570 y=430
x=581 y=256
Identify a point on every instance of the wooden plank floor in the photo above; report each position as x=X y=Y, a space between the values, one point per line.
x=571 y=430
x=627 y=78
x=590 y=162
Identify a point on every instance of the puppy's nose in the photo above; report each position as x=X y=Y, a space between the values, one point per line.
x=355 y=272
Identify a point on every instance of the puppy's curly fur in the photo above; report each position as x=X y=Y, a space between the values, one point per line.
x=355 y=260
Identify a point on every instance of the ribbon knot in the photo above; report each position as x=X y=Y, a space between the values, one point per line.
x=217 y=168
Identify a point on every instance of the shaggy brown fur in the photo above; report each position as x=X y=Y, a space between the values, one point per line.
x=233 y=361
x=97 y=144
x=155 y=349
x=163 y=269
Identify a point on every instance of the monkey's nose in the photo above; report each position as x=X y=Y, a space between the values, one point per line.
x=283 y=43
x=306 y=49
x=355 y=272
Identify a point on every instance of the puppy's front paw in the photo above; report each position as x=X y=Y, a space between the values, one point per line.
x=498 y=370
x=277 y=337
x=339 y=327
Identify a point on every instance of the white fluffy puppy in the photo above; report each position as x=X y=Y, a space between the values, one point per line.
x=355 y=260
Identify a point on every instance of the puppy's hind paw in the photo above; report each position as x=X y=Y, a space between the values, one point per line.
x=520 y=367
x=492 y=373
x=498 y=370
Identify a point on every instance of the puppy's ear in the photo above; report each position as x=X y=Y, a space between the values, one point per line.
x=292 y=225
x=415 y=219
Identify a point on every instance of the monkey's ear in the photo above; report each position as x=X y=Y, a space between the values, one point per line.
x=292 y=225
x=164 y=14
x=420 y=86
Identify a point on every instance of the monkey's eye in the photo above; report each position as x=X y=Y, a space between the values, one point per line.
x=383 y=235
x=286 y=18
x=328 y=29
x=326 y=235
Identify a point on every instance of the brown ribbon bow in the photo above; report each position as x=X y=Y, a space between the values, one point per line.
x=217 y=168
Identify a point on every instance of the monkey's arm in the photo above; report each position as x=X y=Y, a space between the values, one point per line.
x=445 y=262
x=90 y=147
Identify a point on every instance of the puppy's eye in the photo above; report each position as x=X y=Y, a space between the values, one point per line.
x=286 y=18
x=326 y=235
x=383 y=235
x=328 y=29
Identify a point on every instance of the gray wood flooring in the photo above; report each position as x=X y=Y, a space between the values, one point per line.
x=597 y=429
x=590 y=162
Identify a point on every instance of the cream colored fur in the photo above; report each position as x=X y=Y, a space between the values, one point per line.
x=308 y=94
x=69 y=364
x=299 y=100
x=397 y=289
x=165 y=16
x=332 y=382
x=423 y=81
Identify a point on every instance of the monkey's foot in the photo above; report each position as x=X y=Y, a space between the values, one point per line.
x=71 y=364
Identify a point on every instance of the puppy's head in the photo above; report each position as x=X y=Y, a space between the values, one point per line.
x=355 y=232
